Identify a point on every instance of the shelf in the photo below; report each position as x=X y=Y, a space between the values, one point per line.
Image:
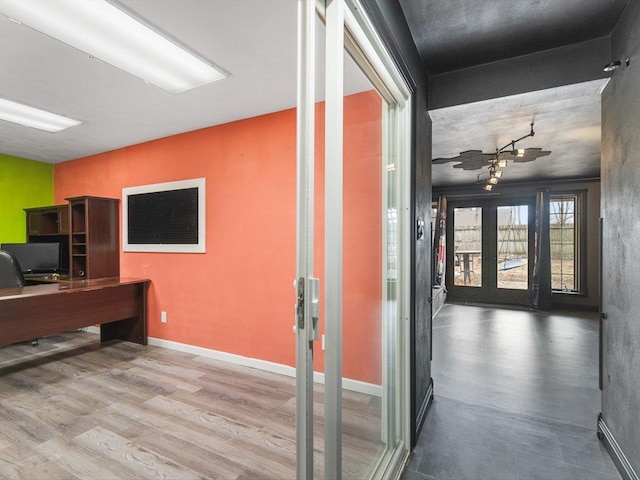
x=94 y=239
x=87 y=228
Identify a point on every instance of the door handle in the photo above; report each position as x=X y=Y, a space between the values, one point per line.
x=300 y=302
x=303 y=295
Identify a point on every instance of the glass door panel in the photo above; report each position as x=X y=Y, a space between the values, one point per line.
x=350 y=425
x=490 y=250
x=513 y=247
x=467 y=237
x=363 y=265
x=371 y=366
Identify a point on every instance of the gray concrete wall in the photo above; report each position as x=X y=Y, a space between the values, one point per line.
x=567 y=65
x=421 y=355
x=621 y=240
x=392 y=26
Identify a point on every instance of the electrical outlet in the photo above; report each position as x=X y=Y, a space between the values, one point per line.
x=163 y=317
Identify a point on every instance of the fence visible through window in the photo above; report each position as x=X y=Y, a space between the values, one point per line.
x=562 y=232
x=467 y=237
x=513 y=247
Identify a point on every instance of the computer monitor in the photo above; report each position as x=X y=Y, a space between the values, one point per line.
x=36 y=257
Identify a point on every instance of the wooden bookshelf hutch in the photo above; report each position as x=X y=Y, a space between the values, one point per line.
x=88 y=229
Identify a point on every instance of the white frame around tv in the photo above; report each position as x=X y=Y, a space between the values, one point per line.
x=199 y=247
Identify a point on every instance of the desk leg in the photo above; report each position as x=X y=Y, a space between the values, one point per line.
x=132 y=329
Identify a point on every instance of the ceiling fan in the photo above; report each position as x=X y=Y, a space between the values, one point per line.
x=477 y=159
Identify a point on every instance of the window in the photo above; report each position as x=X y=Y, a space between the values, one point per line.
x=564 y=219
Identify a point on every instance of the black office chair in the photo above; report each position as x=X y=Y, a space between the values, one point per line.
x=10 y=271
x=11 y=275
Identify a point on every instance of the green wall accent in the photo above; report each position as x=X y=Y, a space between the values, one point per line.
x=23 y=184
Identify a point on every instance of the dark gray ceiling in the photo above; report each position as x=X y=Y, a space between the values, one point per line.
x=455 y=34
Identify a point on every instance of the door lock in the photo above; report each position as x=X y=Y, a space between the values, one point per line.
x=300 y=303
x=311 y=294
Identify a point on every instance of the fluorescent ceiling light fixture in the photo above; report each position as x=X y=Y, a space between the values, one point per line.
x=34 y=117
x=108 y=33
x=501 y=163
x=488 y=186
x=520 y=152
x=492 y=180
x=496 y=173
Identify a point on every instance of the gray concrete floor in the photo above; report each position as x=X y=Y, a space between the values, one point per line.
x=516 y=397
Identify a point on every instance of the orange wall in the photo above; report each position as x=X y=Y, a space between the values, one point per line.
x=238 y=296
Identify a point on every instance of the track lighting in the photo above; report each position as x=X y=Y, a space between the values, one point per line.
x=477 y=159
x=615 y=65
x=494 y=173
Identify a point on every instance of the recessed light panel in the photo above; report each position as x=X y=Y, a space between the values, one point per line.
x=108 y=33
x=34 y=117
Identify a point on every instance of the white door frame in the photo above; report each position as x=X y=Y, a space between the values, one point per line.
x=305 y=141
x=347 y=26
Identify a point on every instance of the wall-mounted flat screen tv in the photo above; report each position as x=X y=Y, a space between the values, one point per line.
x=164 y=217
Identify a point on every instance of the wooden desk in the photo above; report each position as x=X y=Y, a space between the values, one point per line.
x=119 y=305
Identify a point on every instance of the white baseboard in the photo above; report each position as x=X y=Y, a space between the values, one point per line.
x=347 y=383
x=224 y=356
x=318 y=377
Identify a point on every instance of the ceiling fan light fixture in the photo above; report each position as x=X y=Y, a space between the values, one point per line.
x=112 y=35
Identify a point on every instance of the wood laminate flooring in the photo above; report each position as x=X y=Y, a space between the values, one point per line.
x=73 y=408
